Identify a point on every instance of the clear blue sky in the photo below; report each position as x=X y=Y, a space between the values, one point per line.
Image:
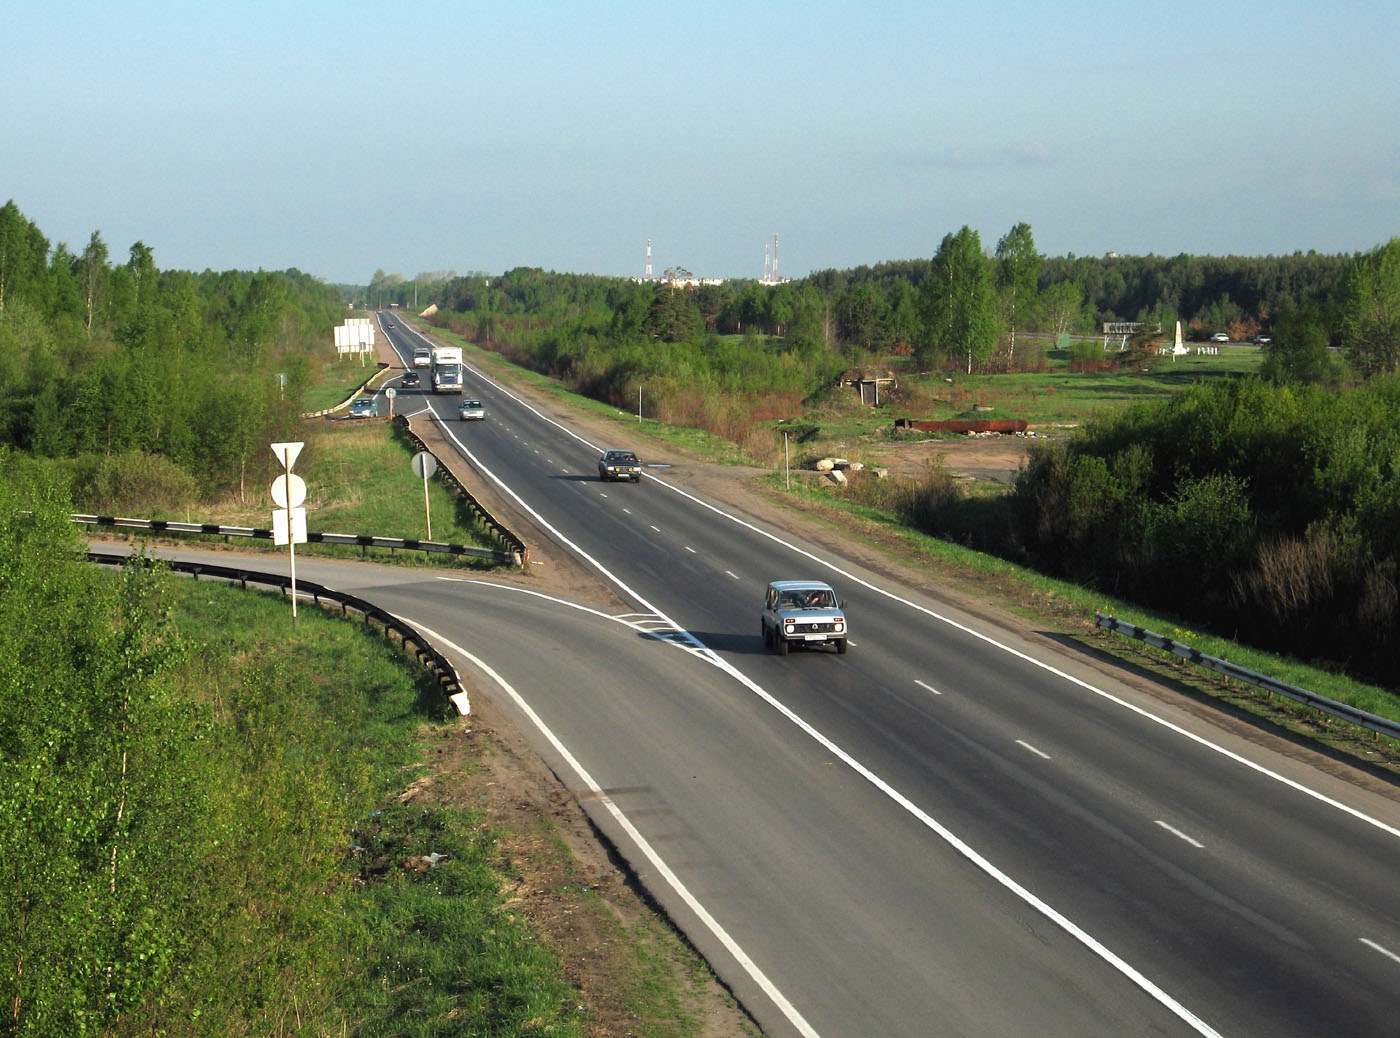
x=342 y=138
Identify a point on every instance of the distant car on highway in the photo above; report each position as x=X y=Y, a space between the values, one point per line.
x=1219 y=337
x=801 y=613
x=618 y=465
x=364 y=407
x=410 y=380
x=1263 y=340
x=472 y=411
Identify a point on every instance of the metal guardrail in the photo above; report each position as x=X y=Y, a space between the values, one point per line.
x=510 y=558
x=455 y=487
x=427 y=654
x=1371 y=722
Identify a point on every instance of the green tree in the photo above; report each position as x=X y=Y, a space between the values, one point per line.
x=958 y=300
x=1017 y=275
x=903 y=319
x=673 y=315
x=860 y=316
x=1298 y=352
x=1368 y=309
x=1062 y=307
x=23 y=254
x=92 y=277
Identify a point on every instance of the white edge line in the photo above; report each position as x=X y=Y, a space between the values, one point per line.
x=948 y=836
x=1380 y=948
x=1090 y=942
x=710 y=922
x=1171 y=726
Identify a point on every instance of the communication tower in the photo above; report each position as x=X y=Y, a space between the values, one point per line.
x=648 y=259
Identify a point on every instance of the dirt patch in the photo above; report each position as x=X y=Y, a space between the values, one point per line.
x=994 y=458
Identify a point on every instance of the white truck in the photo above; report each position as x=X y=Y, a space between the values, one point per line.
x=447 y=369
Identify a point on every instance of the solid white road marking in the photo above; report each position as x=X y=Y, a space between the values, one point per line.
x=1380 y=948
x=949 y=837
x=659 y=863
x=1039 y=753
x=923 y=684
x=1180 y=835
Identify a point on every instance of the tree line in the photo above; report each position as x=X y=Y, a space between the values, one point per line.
x=127 y=372
x=966 y=306
x=1264 y=508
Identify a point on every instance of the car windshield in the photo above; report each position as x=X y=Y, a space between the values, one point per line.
x=813 y=599
x=623 y=458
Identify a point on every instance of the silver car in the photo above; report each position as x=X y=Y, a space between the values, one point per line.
x=798 y=613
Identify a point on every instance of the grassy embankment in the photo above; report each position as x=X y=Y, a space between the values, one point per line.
x=341 y=893
x=374 y=942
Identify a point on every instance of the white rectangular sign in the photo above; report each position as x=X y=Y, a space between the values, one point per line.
x=280 y=528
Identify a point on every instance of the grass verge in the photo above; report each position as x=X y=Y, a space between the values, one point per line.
x=354 y=884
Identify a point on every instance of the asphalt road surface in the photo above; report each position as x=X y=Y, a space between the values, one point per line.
x=949 y=830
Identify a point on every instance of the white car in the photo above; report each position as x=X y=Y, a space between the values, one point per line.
x=1219 y=337
x=472 y=411
x=422 y=358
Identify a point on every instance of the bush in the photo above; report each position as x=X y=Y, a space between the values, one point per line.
x=135 y=483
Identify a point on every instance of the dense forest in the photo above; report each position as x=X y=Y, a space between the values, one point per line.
x=169 y=384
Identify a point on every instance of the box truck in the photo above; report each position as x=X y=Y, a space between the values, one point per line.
x=447 y=369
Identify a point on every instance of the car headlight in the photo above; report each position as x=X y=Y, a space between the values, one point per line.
x=840 y=626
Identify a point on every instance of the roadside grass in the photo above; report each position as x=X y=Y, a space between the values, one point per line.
x=339 y=381
x=320 y=909
x=1052 y=400
x=359 y=480
x=340 y=895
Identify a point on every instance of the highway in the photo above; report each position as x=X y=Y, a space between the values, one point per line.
x=950 y=829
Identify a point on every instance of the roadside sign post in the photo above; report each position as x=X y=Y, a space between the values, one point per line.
x=289 y=520
x=389 y=394
x=424 y=465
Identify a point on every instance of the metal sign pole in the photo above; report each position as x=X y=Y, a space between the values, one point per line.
x=424 y=465
x=427 y=512
x=291 y=539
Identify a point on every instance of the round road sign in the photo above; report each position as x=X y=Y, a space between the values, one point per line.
x=289 y=491
x=424 y=464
